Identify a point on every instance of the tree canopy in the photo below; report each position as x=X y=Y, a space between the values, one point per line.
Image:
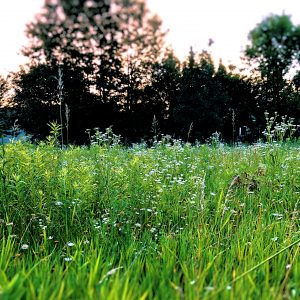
x=105 y=63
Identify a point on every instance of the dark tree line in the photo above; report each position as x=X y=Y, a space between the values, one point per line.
x=104 y=63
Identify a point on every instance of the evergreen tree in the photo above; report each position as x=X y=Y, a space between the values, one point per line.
x=197 y=103
x=161 y=95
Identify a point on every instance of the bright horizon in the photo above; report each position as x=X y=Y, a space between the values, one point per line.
x=227 y=23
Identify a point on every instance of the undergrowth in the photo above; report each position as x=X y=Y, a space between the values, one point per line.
x=169 y=222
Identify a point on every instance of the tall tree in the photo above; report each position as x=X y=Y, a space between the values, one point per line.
x=81 y=33
x=274 y=47
x=142 y=42
x=112 y=45
x=3 y=103
x=200 y=99
x=3 y=90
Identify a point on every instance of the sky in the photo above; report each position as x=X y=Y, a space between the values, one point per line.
x=190 y=23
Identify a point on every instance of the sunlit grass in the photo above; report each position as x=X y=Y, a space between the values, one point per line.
x=167 y=222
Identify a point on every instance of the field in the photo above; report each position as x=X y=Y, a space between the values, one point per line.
x=173 y=221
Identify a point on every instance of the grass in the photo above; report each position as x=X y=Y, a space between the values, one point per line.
x=167 y=222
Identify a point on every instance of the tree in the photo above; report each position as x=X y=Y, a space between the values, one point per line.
x=141 y=47
x=202 y=100
x=40 y=95
x=81 y=33
x=3 y=90
x=161 y=94
x=274 y=47
x=3 y=103
x=95 y=38
x=238 y=105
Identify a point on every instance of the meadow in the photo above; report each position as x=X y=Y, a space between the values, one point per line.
x=171 y=221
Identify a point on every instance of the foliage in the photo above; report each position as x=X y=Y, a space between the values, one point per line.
x=133 y=223
x=111 y=47
x=274 y=49
x=116 y=71
x=37 y=94
x=3 y=89
x=274 y=46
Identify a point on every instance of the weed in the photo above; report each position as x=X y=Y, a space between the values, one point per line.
x=168 y=222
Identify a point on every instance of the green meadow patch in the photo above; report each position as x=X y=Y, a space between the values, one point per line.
x=168 y=222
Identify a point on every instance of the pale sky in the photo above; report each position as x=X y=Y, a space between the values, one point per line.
x=190 y=23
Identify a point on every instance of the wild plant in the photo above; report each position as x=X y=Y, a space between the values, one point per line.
x=214 y=140
x=155 y=130
x=189 y=132
x=233 y=119
x=55 y=134
x=60 y=86
x=103 y=139
x=167 y=222
x=279 y=131
x=67 y=116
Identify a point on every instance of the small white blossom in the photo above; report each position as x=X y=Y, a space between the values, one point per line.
x=68 y=259
x=24 y=247
x=70 y=244
x=113 y=271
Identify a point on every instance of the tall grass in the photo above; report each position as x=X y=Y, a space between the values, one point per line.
x=167 y=222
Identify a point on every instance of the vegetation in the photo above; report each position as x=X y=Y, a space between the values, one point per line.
x=171 y=221
x=96 y=64
x=168 y=218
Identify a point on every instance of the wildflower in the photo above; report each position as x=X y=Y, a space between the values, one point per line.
x=50 y=237
x=24 y=246
x=113 y=271
x=70 y=244
x=68 y=259
x=138 y=225
x=58 y=203
x=86 y=242
x=278 y=216
x=274 y=239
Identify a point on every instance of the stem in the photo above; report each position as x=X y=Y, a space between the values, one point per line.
x=256 y=266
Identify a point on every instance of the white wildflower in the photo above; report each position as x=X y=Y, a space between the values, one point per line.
x=24 y=247
x=68 y=259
